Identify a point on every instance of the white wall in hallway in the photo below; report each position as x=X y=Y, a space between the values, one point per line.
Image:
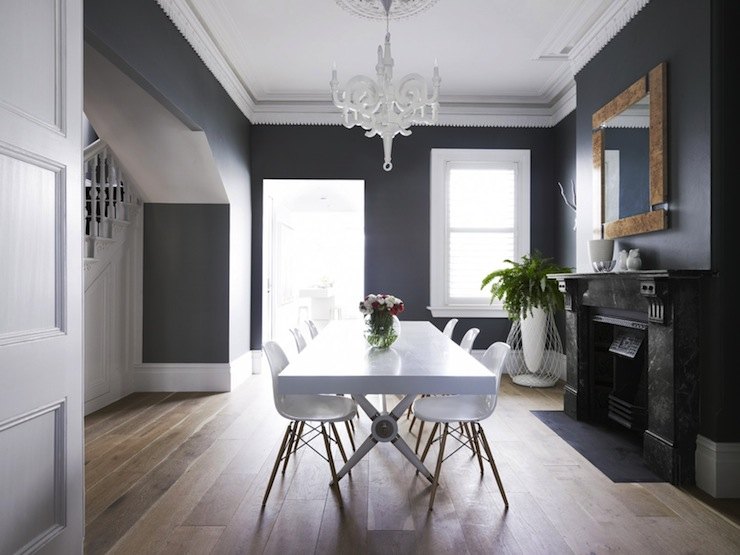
x=314 y=238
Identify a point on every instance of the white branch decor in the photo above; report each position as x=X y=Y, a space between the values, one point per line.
x=382 y=107
x=570 y=204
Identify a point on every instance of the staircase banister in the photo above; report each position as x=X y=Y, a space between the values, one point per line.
x=95 y=148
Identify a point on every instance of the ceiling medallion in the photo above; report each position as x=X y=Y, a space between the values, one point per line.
x=374 y=9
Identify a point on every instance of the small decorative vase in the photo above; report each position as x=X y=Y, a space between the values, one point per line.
x=634 y=262
x=382 y=329
x=601 y=253
x=621 y=262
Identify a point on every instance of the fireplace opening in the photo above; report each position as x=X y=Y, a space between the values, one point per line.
x=618 y=381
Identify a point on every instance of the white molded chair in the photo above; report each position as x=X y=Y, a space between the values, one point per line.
x=467 y=340
x=467 y=345
x=300 y=340
x=312 y=329
x=465 y=410
x=450 y=327
x=303 y=409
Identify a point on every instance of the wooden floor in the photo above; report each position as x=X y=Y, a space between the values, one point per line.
x=181 y=473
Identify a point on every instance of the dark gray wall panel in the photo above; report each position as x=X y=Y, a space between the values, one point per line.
x=396 y=202
x=186 y=283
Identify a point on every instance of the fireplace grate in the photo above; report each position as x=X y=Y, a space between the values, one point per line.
x=627 y=414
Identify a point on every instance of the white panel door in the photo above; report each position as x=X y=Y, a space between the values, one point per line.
x=41 y=440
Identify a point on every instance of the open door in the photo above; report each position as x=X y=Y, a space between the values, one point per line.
x=41 y=441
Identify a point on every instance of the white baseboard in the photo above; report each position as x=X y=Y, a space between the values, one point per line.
x=182 y=377
x=718 y=468
x=101 y=401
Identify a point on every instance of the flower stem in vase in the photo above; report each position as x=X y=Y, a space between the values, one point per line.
x=382 y=326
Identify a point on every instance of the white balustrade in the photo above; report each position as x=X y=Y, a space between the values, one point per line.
x=109 y=196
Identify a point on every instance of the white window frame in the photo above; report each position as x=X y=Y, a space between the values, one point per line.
x=442 y=159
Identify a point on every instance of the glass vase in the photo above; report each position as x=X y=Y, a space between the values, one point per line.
x=382 y=329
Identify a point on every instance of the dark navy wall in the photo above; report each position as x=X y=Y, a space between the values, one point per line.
x=138 y=37
x=675 y=32
x=186 y=283
x=396 y=202
x=721 y=388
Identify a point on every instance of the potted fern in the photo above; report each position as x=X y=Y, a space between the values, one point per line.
x=530 y=300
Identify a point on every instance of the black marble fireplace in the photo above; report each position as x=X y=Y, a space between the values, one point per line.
x=633 y=345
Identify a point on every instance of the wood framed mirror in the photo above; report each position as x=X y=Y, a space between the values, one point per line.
x=630 y=158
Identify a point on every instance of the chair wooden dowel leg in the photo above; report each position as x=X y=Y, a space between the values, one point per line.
x=467 y=434
x=418 y=438
x=329 y=456
x=429 y=441
x=493 y=465
x=291 y=445
x=411 y=426
x=339 y=442
x=350 y=434
x=298 y=437
x=477 y=448
x=437 y=471
x=277 y=461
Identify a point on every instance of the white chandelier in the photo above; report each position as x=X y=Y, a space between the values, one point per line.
x=382 y=107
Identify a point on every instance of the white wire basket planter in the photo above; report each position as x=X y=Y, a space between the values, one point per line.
x=536 y=358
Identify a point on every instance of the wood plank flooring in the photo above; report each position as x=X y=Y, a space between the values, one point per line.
x=182 y=473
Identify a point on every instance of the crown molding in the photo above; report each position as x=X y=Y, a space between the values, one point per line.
x=604 y=30
x=556 y=101
x=190 y=27
x=450 y=115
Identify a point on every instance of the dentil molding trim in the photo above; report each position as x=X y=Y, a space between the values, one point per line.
x=473 y=114
x=605 y=29
x=190 y=27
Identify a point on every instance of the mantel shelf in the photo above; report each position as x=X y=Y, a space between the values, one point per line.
x=639 y=274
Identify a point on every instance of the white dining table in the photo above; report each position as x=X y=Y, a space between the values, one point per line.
x=422 y=360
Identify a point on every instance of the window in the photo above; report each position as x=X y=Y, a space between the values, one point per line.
x=479 y=218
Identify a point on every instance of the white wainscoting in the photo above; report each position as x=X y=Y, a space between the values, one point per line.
x=113 y=318
x=718 y=468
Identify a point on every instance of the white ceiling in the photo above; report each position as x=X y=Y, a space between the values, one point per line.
x=502 y=62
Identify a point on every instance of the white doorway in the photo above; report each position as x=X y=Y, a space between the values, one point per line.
x=313 y=255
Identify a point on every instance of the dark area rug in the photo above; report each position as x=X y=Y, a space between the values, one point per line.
x=614 y=450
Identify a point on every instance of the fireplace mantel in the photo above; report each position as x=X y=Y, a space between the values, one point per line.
x=670 y=302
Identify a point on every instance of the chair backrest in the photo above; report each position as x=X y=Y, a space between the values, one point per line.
x=494 y=359
x=449 y=327
x=278 y=361
x=467 y=341
x=300 y=341
x=312 y=329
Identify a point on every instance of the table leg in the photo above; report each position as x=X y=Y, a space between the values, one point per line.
x=362 y=450
x=384 y=429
